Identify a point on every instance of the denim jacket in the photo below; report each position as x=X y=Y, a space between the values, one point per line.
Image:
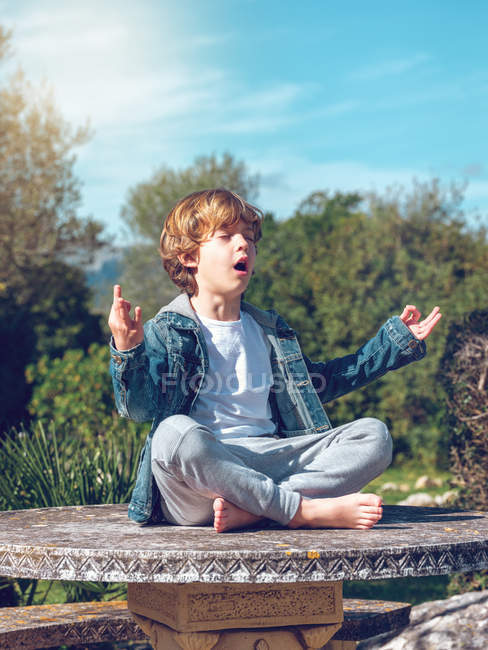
x=162 y=376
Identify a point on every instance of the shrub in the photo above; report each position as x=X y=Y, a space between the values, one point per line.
x=75 y=391
x=43 y=469
x=464 y=371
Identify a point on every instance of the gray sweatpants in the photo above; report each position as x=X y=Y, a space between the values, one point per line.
x=264 y=475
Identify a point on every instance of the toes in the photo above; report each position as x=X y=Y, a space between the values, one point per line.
x=366 y=523
x=368 y=518
x=372 y=510
x=364 y=526
x=219 y=524
x=218 y=504
x=371 y=500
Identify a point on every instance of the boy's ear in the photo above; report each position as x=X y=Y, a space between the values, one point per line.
x=188 y=260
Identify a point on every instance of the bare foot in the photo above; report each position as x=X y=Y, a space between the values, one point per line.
x=357 y=510
x=228 y=516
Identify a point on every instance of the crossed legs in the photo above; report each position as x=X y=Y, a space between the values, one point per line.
x=308 y=481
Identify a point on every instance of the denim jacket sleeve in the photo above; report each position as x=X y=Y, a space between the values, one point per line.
x=136 y=375
x=393 y=346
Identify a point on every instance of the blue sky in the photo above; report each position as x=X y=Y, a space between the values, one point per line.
x=312 y=95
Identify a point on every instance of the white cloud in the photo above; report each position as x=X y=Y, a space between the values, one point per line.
x=119 y=72
x=477 y=191
x=473 y=170
x=389 y=68
x=210 y=40
x=289 y=179
x=240 y=110
x=99 y=64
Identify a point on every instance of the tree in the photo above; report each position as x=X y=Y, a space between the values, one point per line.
x=343 y=264
x=17 y=332
x=45 y=299
x=39 y=193
x=144 y=281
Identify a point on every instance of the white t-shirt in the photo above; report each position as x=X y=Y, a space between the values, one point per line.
x=234 y=398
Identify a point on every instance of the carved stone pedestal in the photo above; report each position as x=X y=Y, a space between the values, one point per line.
x=289 y=638
x=245 y=616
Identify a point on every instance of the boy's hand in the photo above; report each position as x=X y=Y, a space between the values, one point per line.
x=411 y=315
x=127 y=332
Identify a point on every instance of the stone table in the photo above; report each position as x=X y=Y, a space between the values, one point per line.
x=188 y=585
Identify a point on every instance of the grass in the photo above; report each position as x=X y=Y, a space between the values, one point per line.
x=55 y=591
x=406 y=476
x=408 y=590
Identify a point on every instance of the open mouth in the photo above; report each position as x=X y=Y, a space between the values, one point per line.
x=241 y=266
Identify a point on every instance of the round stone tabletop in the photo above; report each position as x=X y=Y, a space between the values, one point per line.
x=100 y=543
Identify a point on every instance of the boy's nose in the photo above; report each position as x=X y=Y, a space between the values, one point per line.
x=242 y=242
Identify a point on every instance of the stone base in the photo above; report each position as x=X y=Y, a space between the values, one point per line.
x=202 y=607
x=300 y=638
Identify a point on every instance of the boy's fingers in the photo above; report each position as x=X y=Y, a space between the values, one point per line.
x=117 y=291
x=432 y=315
x=427 y=325
x=122 y=309
x=138 y=315
x=410 y=310
x=430 y=326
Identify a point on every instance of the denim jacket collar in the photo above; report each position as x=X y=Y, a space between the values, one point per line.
x=181 y=307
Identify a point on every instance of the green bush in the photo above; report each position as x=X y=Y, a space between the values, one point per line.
x=464 y=372
x=75 y=392
x=56 y=318
x=43 y=469
x=17 y=328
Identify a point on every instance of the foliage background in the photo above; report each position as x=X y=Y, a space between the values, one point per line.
x=343 y=264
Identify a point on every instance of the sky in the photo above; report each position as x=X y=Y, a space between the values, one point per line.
x=312 y=95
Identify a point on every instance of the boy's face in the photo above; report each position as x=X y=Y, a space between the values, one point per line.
x=225 y=261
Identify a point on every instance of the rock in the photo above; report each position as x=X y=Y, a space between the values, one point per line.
x=422 y=482
x=421 y=499
x=458 y=622
x=395 y=487
x=389 y=487
x=446 y=498
x=425 y=481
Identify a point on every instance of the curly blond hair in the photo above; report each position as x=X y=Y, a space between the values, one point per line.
x=193 y=219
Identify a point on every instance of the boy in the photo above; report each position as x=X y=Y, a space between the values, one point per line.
x=239 y=432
